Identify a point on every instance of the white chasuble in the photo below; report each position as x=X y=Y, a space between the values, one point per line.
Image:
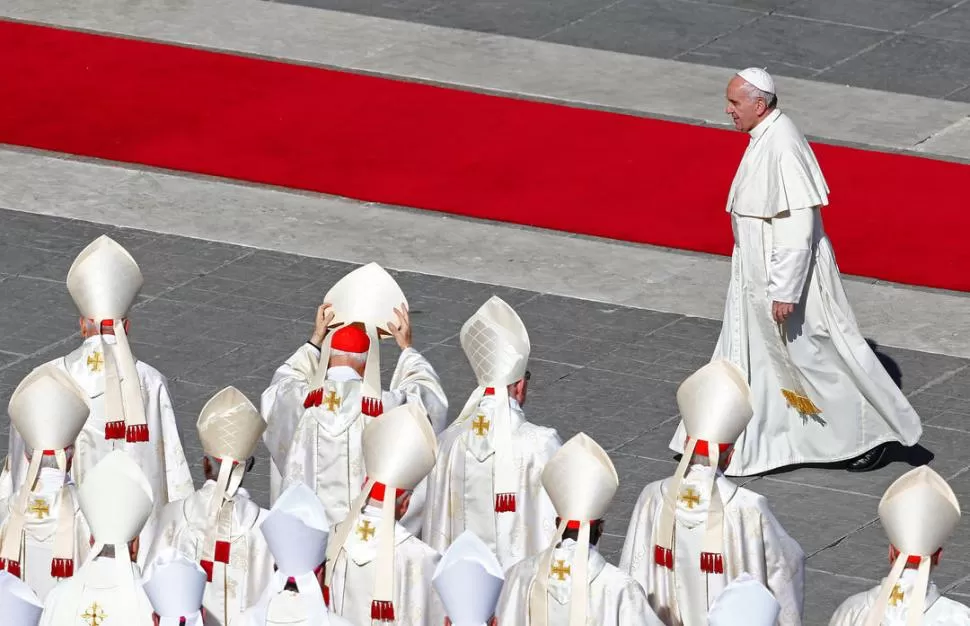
x=840 y=401
x=40 y=529
x=286 y=608
x=98 y=595
x=613 y=598
x=938 y=611
x=754 y=542
x=237 y=584
x=320 y=446
x=461 y=494
x=354 y=570
x=160 y=458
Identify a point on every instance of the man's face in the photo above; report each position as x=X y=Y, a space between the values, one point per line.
x=745 y=110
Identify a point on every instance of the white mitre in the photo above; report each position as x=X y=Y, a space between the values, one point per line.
x=367 y=296
x=759 y=78
x=48 y=409
x=104 y=281
x=229 y=428
x=175 y=587
x=919 y=512
x=19 y=605
x=468 y=580
x=581 y=481
x=496 y=343
x=715 y=405
x=744 y=602
x=399 y=451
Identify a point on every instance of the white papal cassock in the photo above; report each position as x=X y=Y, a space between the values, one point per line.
x=781 y=253
x=940 y=611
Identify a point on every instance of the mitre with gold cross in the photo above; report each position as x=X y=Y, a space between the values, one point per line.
x=365 y=297
x=497 y=346
x=919 y=511
x=104 y=281
x=19 y=605
x=48 y=409
x=581 y=481
x=400 y=450
x=229 y=427
x=716 y=407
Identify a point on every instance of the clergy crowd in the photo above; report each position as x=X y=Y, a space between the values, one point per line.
x=385 y=511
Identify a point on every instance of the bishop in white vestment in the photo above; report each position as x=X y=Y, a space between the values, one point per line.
x=43 y=533
x=131 y=409
x=323 y=397
x=116 y=499
x=377 y=570
x=570 y=583
x=919 y=511
x=819 y=392
x=488 y=477
x=693 y=533
x=175 y=586
x=19 y=605
x=218 y=525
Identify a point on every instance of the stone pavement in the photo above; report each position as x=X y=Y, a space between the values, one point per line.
x=919 y=47
x=214 y=314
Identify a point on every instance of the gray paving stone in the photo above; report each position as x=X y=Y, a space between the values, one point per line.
x=392 y=9
x=829 y=590
x=880 y=14
x=908 y=64
x=519 y=18
x=953 y=24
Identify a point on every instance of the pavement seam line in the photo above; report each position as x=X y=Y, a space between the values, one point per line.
x=942 y=378
x=856 y=54
x=842 y=538
x=558 y=29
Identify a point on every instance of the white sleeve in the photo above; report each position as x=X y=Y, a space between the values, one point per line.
x=791 y=254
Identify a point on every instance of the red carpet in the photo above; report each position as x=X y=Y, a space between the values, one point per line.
x=893 y=217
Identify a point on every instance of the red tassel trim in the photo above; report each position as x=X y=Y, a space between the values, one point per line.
x=114 y=430
x=207 y=566
x=137 y=434
x=712 y=563
x=62 y=568
x=382 y=610
x=371 y=406
x=314 y=398
x=505 y=503
x=222 y=551
x=12 y=567
x=664 y=557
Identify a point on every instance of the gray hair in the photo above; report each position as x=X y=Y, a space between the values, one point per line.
x=354 y=357
x=770 y=99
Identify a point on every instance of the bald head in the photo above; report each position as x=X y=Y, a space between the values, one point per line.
x=748 y=104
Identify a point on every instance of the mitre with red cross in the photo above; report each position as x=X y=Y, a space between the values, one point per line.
x=716 y=407
x=919 y=512
x=229 y=428
x=103 y=282
x=48 y=409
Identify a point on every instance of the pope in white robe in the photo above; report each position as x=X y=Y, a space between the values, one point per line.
x=116 y=499
x=693 y=533
x=487 y=478
x=322 y=398
x=570 y=583
x=919 y=511
x=104 y=282
x=377 y=570
x=44 y=534
x=218 y=526
x=819 y=392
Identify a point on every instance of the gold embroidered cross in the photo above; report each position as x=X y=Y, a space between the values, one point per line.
x=95 y=362
x=560 y=570
x=94 y=616
x=40 y=509
x=690 y=497
x=332 y=400
x=896 y=596
x=365 y=530
x=481 y=425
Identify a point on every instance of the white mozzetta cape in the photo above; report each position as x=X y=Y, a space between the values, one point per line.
x=322 y=448
x=235 y=586
x=939 y=611
x=613 y=598
x=95 y=590
x=354 y=569
x=160 y=458
x=754 y=542
x=460 y=487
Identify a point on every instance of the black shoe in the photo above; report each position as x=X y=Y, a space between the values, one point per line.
x=870 y=460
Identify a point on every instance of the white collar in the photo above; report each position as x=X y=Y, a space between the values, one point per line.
x=342 y=374
x=764 y=124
